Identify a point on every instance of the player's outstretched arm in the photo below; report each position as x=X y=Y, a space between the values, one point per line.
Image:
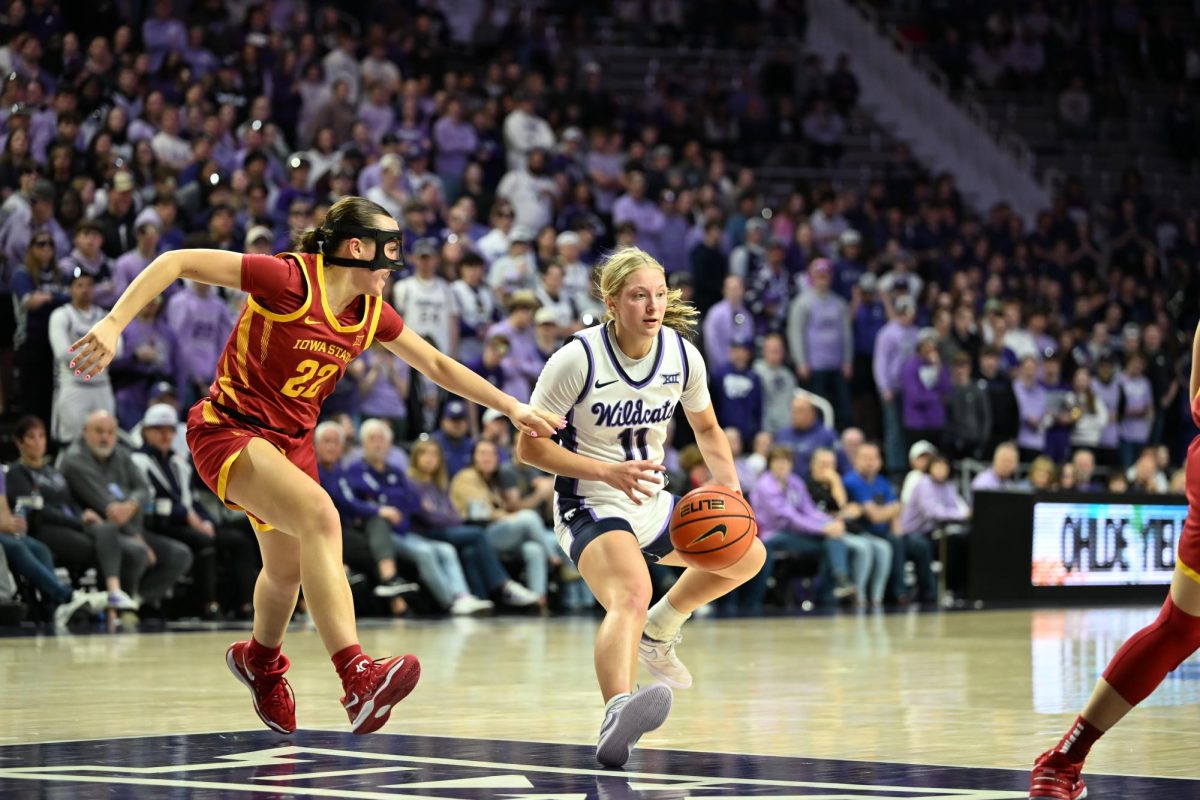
x=629 y=477
x=454 y=377
x=99 y=346
x=714 y=446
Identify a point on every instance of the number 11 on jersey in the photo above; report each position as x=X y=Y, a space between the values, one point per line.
x=628 y=437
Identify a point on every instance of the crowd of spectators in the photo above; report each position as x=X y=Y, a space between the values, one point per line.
x=851 y=332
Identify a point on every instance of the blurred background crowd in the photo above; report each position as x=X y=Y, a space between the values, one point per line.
x=878 y=346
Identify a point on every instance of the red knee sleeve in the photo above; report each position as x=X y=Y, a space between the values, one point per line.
x=1145 y=659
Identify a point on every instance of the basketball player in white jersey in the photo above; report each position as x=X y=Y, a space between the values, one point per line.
x=618 y=385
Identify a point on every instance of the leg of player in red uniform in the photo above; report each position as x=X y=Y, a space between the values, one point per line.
x=269 y=486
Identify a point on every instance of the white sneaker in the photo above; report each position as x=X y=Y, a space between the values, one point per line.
x=121 y=601
x=470 y=604
x=97 y=600
x=67 y=610
x=625 y=723
x=660 y=659
x=517 y=594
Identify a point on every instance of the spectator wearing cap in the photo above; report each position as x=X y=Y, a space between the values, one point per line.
x=709 y=266
x=778 y=384
x=525 y=131
x=38 y=289
x=848 y=267
x=201 y=321
x=1135 y=409
x=74 y=397
x=924 y=391
x=531 y=191
x=896 y=342
x=178 y=515
x=727 y=320
x=259 y=240
x=636 y=207
x=523 y=363
x=577 y=275
x=150 y=353
x=416 y=224
x=455 y=139
x=426 y=301
x=517 y=270
x=919 y=456
x=932 y=502
x=748 y=257
x=738 y=391
x=476 y=305
x=495 y=243
x=19 y=230
x=454 y=436
x=88 y=257
x=131 y=264
x=969 y=422
x=117 y=220
x=547 y=331
x=821 y=342
x=1108 y=389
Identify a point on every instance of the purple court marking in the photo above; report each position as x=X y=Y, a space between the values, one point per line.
x=387 y=767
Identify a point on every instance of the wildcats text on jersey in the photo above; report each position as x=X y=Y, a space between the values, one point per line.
x=631 y=413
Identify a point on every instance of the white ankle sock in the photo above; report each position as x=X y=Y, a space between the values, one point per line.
x=664 y=621
x=615 y=701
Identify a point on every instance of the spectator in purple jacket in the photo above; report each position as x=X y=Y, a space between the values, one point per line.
x=806 y=434
x=821 y=342
x=201 y=321
x=725 y=321
x=455 y=140
x=523 y=363
x=925 y=389
x=934 y=502
x=1136 y=408
x=148 y=356
x=895 y=343
x=1032 y=409
x=738 y=391
x=790 y=522
x=131 y=264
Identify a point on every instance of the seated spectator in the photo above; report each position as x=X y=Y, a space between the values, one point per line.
x=148 y=356
x=381 y=490
x=1043 y=475
x=478 y=496
x=1001 y=475
x=79 y=538
x=497 y=430
x=1144 y=476
x=881 y=509
x=850 y=440
x=436 y=518
x=367 y=545
x=454 y=436
x=806 y=434
x=1084 y=465
x=789 y=521
x=737 y=391
x=969 y=426
x=778 y=384
x=871 y=557
x=179 y=515
x=32 y=560
x=74 y=397
x=107 y=481
x=749 y=465
x=934 y=502
x=919 y=457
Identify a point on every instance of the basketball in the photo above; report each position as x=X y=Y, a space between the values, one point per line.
x=712 y=527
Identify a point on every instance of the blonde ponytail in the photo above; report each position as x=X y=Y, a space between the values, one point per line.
x=616 y=269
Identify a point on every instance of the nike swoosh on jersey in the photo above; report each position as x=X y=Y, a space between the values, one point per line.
x=311 y=321
x=600 y=385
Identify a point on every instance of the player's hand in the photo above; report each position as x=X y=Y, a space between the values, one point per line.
x=535 y=422
x=95 y=351
x=630 y=478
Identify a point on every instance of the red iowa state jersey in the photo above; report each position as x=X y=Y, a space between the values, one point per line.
x=289 y=349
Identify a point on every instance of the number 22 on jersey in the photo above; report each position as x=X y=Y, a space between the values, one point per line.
x=308 y=379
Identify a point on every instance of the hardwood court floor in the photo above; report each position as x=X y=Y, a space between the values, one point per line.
x=981 y=689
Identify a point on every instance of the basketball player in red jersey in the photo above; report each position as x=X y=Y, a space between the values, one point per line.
x=307 y=315
x=1148 y=656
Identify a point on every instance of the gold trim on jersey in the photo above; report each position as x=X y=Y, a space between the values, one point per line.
x=210 y=414
x=1188 y=571
x=243 y=346
x=308 y=293
x=266 y=337
x=329 y=315
x=374 y=323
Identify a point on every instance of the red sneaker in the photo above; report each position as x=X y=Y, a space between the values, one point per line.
x=270 y=691
x=1057 y=778
x=373 y=692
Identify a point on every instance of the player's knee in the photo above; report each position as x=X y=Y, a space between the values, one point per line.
x=320 y=518
x=632 y=600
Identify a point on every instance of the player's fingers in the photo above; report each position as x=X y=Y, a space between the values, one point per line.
x=630 y=494
x=651 y=466
x=556 y=421
x=541 y=427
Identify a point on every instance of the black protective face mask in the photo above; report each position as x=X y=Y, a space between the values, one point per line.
x=380 y=236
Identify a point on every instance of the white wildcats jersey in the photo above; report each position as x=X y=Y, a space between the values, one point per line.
x=617 y=409
x=427 y=307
